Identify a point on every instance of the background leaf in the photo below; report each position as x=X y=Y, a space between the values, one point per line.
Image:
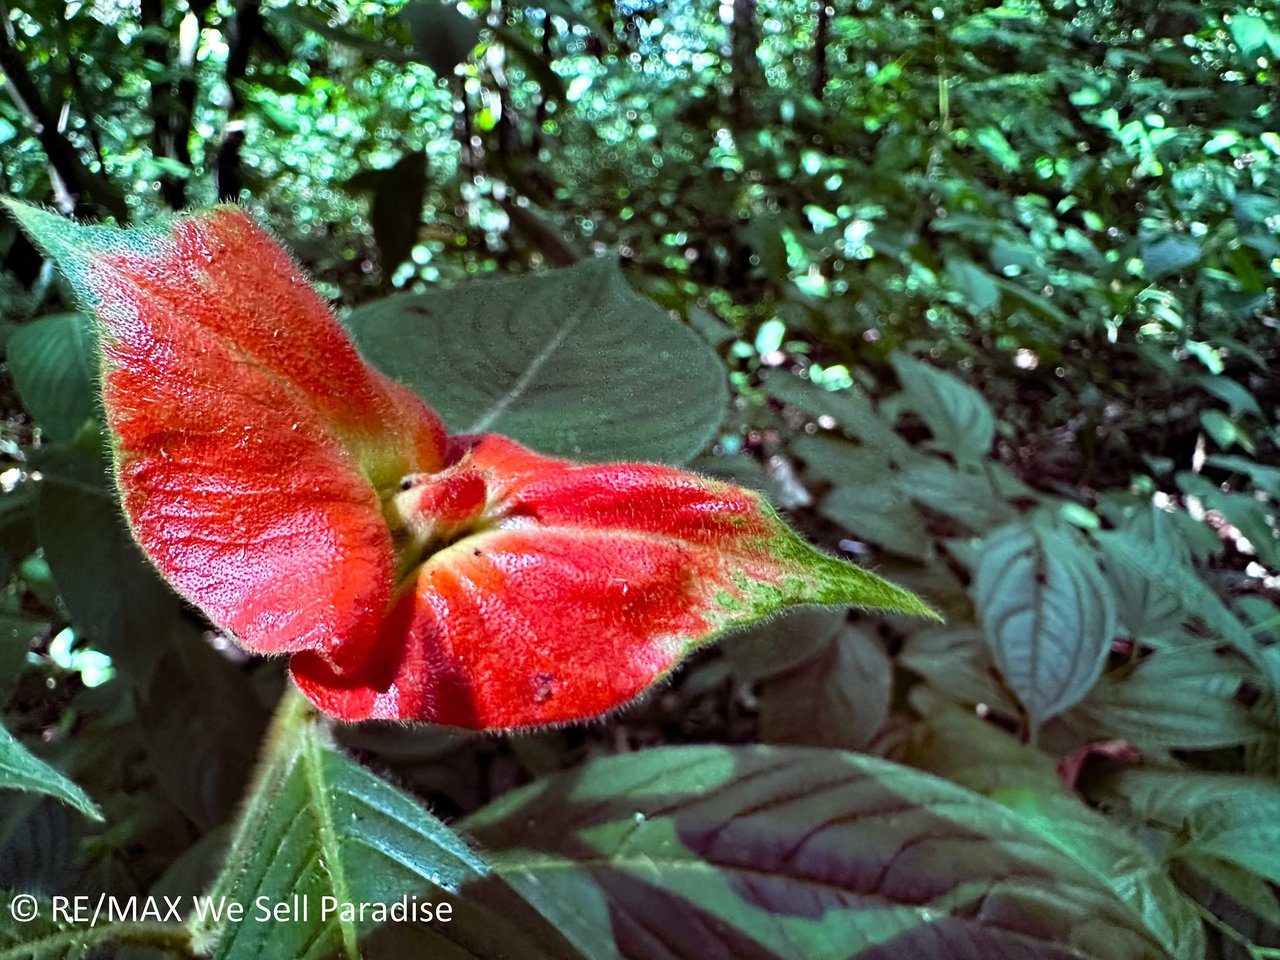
x=396 y=213
x=957 y=415
x=442 y=36
x=1047 y=613
x=564 y=361
x=22 y=770
x=53 y=361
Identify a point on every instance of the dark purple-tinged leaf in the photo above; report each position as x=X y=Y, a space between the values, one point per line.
x=787 y=852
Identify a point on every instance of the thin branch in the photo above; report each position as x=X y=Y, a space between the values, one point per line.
x=81 y=189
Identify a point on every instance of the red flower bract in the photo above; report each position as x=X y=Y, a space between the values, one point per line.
x=311 y=506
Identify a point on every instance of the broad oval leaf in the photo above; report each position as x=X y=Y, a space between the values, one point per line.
x=20 y=769
x=958 y=416
x=773 y=853
x=1048 y=615
x=570 y=362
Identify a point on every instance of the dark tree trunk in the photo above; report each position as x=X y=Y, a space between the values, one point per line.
x=821 y=36
x=242 y=32
x=743 y=63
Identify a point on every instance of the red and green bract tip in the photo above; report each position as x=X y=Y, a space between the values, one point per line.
x=311 y=506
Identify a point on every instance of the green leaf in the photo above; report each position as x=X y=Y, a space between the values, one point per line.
x=1265 y=477
x=1143 y=608
x=956 y=661
x=1232 y=393
x=201 y=724
x=1047 y=613
x=17 y=526
x=20 y=769
x=396 y=212
x=1162 y=564
x=570 y=362
x=881 y=514
x=783 y=643
x=1249 y=32
x=442 y=37
x=979 y=287
x=967 y=498
x=318 y=825
x=850 y=408
x=865 y=500
x=1226 y=817
x=955 y=744
x=839 y=698
x=957 y=415
x=1169 y=254
x=116 y=597
x=1176 y=698
x=53 y=362
x=993 y=142
x=753 y=853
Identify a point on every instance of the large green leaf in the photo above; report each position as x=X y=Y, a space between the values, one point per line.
x=754 y=853
x=318 y=825
x=1047 y=613
x=20 y=769
x=52 y=361
x=957 y=415
x=570 y=362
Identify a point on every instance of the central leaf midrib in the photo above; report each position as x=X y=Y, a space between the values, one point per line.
x=329 y=850
x=522 y=382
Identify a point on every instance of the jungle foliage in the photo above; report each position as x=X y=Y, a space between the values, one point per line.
x=993 y=288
